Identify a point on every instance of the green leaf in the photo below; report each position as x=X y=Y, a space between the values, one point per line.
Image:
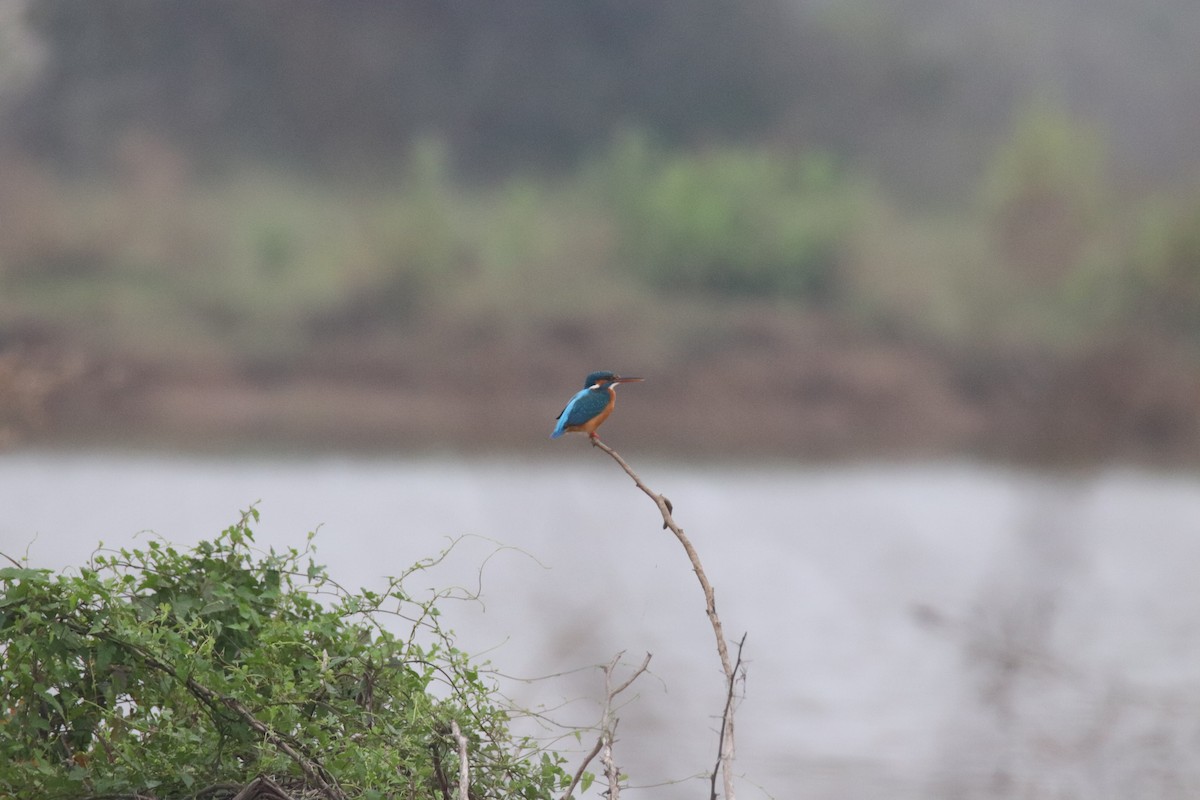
x=23 y=574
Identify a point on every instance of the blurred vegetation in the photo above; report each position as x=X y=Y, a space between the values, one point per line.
x=261 y=262
x=272 y=185
x=731 y=220
x=1165 y=268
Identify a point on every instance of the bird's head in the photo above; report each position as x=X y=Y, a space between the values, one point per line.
x=605 y=379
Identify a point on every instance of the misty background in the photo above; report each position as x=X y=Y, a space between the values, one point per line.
x=914 y=285
x=925 y=227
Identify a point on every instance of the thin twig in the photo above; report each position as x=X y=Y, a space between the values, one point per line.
x=464 y=771
x=608 y=730
x=633 y=677
x=578 y=776
x=608 y=725
x=667 y=510
x=261 y=788
x=726 y=719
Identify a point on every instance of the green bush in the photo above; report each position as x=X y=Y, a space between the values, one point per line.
x=1166 y=274
x=161 y=672
x=1045 y=194
x=748 y=222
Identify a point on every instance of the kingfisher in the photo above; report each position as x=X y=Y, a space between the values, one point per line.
x=588 y=409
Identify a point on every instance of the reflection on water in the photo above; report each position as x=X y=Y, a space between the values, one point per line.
x=913 y=631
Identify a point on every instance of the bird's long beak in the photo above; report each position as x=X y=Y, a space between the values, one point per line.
x=627 y=380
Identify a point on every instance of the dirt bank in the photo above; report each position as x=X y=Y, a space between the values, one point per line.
x=767 y=387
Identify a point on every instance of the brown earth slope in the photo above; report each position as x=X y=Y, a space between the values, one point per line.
x=766 y=387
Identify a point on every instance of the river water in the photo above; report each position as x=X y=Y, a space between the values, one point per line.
x=946 y=630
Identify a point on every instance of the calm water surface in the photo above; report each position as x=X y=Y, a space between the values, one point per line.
x=929 y=630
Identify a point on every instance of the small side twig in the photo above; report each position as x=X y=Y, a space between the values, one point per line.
x=464 y=770
x=726 y=718
x=578 y=776
x=667 y=510
x=608 y=728
x=261 y=788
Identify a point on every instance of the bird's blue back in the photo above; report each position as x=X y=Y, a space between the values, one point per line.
x=580 y=408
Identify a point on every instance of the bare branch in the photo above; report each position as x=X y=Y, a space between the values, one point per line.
x=578 y=776
x=633 y=677
x=464 y=770
x=726 y=720
x=667 y=510
x=261 y=788
x=608 y=727
x=611 y=773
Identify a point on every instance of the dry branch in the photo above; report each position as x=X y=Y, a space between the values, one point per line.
x=464 y=771
x=611 y=773
x=262 y=788
x=726 y=718
x=728 y=667
x=608 y=728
